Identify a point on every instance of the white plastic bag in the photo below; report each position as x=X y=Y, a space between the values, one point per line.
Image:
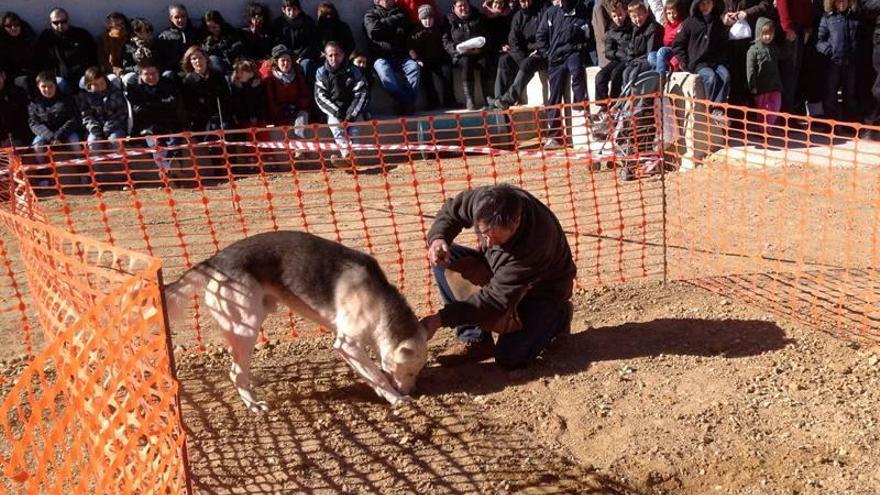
x=466 y=45
x=740 y=30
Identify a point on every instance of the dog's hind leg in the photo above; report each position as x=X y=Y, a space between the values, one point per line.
x=359 y=360
x=237 y=306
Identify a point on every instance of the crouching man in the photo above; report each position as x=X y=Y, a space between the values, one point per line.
x=517 y=284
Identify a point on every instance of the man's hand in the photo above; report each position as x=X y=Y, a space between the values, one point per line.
x=431 y=323
x=438 y=253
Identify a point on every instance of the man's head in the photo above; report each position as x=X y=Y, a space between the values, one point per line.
x=638 y=12
x=498 y=217
x=461 y=8
x=59 y=20
x=568 y=5
x=334 y=54
x=178 y=15
x=148 y=72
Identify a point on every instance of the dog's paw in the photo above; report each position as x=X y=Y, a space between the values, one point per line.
x=257 y=406
x=401 y=400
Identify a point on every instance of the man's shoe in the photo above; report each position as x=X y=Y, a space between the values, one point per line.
x=467 y=352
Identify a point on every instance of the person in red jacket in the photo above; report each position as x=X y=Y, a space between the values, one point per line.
x=287 y=91
x=796 y=19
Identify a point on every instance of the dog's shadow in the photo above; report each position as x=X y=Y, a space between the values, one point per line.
x=724 y=339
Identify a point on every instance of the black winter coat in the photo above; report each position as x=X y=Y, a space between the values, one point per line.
x=645 y=39
x=459 y=30
x=337 y=30
x=257 y=46
x=68 y=54
x=299 y=34
x=617 y=41
x=156 y=109
x=206 y=100
x=428 y=44
x=16 y=54
x=387 y=31
x=249 y=103
x=701 y=41
x=14 y=115
x=172 y=43
x=52 y=119
x=523 y=37
x=561 y=33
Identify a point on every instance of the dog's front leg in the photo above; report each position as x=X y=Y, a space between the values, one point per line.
x=358 y=359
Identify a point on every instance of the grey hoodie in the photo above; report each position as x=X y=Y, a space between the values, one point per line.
x=762 y=63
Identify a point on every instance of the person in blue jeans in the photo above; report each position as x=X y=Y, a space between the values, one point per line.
x=387 y=29
x=518 y=283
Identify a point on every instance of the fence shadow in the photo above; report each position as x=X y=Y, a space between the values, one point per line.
x=725 y=339
x=328 y=433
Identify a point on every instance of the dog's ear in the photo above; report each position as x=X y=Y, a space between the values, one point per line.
x=405 y=353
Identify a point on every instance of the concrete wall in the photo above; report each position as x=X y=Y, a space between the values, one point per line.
x=90 y=14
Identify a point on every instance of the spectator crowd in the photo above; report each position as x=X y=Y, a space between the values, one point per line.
x=65 y=85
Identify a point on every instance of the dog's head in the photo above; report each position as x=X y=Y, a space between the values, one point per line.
x=404 y=362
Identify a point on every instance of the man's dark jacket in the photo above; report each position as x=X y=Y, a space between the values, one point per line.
x=68 y=54
x=172 y=43
x=156 y=109
x=14 y=115
x=563 y=33
x=299 y=34
x=387 y=31
x=460 y=29
x=523 y=38
x=537 y=255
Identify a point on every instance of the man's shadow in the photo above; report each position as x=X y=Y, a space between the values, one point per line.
x=724 y=339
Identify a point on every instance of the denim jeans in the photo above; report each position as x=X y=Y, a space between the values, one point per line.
x=102 y=142
x=400 y=77
x=661 y=58
x=716 y=82
x=542 y=320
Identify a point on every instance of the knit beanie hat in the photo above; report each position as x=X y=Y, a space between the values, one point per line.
x=426 y=11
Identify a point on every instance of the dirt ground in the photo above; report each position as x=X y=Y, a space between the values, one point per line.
x=659 y=389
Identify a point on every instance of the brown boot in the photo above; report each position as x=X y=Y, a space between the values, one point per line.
x=467 y=352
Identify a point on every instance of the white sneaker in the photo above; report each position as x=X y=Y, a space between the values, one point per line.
x=551 y=144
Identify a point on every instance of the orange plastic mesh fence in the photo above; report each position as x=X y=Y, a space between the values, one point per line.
x=185 y=197
x=96 y=410
x=780 y=211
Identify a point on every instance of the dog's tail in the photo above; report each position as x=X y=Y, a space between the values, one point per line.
x=177 y=293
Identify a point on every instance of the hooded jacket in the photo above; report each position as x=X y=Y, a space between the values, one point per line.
x=837 y=37
x=702 y=40
x=537 y=258
x=387 y=31
x=299 y=34
x=645 y=39
x=341 y=92
x=104 y=113
x=564 y=32
x=460 y=29
x=762 y=64
x=53 y=118
x=523 y=38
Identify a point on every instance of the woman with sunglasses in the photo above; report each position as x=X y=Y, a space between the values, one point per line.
x=17 y=41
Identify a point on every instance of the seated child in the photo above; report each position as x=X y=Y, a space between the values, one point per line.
x=664 y=60
x=701 y=46
x=618 y=36
x=52 y=117
x=341 y=93
x=647 y=37
x=103 y=107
